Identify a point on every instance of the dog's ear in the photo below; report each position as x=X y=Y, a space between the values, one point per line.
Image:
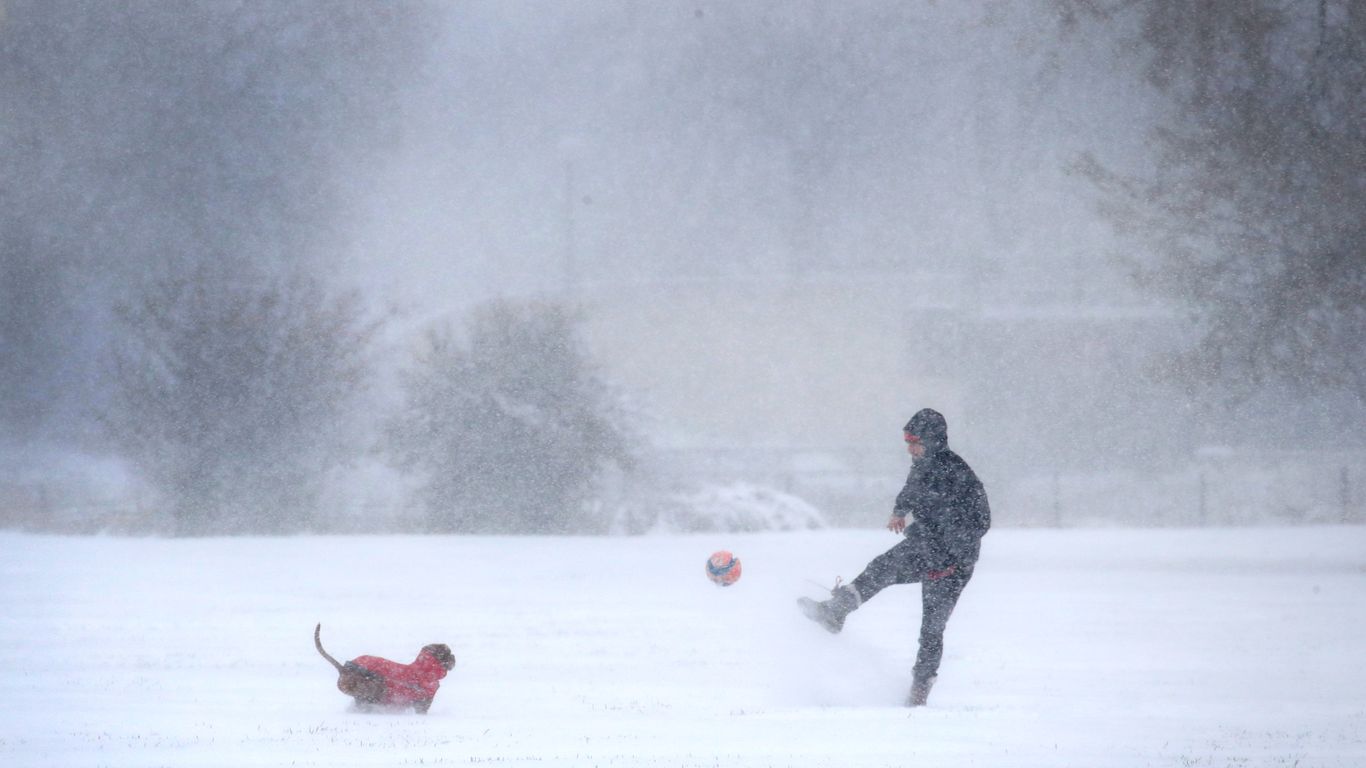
x=442 y=653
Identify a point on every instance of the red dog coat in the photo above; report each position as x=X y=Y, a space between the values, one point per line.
x=406 y=684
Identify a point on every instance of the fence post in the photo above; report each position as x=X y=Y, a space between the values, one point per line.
x=1057 y=500
x=1204 y=499
x=1346 y=490
x=46 y=515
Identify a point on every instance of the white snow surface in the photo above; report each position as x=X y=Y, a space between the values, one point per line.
x=1205 y=647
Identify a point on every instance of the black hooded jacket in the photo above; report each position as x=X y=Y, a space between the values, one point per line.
x=943 y=497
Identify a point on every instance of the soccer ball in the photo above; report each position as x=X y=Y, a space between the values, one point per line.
x=723 y=568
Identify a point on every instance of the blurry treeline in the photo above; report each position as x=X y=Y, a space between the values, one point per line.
x=179 y=183
x=235 y=395
x=172 y=177
x=143 y=140
x=1252 y=211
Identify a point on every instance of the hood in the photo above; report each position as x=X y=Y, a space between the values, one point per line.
x=929 y=425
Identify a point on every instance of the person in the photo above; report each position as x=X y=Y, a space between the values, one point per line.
x=949 y=515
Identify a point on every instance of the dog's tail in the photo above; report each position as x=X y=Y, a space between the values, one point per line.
x=318 y=641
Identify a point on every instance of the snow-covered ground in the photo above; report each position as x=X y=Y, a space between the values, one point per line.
x=1239 y=647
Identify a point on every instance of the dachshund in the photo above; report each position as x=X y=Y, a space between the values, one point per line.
x=376 y=682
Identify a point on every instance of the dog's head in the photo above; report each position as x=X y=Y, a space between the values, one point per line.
x=442 y=653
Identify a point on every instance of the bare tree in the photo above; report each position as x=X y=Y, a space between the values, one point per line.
x=134 y=135
x=232 y=393
x=1254 y=213
x=510 y=426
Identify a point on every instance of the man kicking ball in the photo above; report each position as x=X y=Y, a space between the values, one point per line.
x=949 y=515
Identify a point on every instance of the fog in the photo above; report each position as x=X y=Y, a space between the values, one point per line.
x=785 y=228
x=620 y=144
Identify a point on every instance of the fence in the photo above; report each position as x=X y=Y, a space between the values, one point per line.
x=855 y=488
x=1228 y=488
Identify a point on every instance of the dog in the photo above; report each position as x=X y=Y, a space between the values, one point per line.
x=376 y=682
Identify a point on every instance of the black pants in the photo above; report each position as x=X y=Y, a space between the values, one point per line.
x=907 y=563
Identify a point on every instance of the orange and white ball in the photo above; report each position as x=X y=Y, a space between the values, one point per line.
x=723 y=568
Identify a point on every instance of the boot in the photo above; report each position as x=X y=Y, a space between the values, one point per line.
x=920 y=690
x=831 y=613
